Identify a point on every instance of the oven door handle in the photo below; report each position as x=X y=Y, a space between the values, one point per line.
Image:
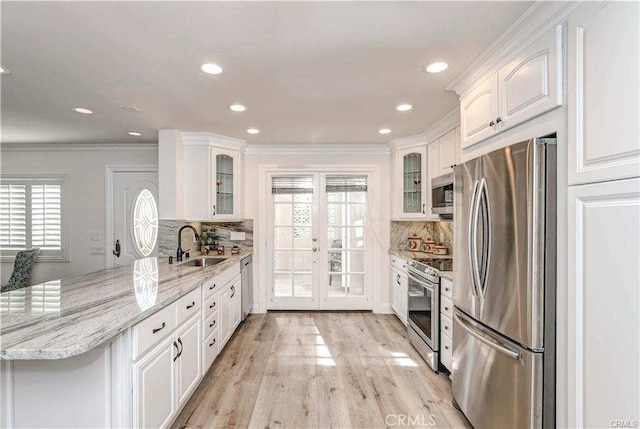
x=421 y=283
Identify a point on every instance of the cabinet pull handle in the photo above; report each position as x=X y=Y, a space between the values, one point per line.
x=212 y=324
x=214 y=210
x=398 y=278
x=491 y=124
x=423 y=208
x=446 y=289
x=181 y=347
x=446 y=328
x=446 y=309
x=446 y=347
x=159 y=329
x=233 y=288
x=177 y=351
x=212 y=305
x=498 y=120
x=191 y=305
x=212 y=343
x=212 y=287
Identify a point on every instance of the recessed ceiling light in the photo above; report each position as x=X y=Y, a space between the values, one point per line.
x=83 y=110
x=237 y=108
x=134 y=133
x=211 y=68
x=253 y=131
x=384 y=131
x=435 y=67
x=404 y=107
x=4 y=70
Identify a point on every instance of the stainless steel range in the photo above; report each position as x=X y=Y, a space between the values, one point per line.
x=423 y=328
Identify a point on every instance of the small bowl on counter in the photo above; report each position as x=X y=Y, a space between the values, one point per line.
x=439 y=250
x=427 y=245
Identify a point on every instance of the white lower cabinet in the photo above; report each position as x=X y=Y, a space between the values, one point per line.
x=399 y=288
x=446 y=324
x=225 y=315
x=188 y=364
x=153 y=387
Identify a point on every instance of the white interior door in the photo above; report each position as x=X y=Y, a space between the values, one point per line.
x=135 y=216
x=317 y=242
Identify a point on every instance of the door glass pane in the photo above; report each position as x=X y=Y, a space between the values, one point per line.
x=145 y=222
x=346 y=216
x=224 y=184
x=412 y=183
x=293 y=229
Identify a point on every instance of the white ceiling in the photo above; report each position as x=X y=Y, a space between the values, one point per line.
x=309 y=72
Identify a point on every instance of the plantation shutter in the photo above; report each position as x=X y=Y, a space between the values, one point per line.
x=13 y=216
x=292 y=185
x=46 y=216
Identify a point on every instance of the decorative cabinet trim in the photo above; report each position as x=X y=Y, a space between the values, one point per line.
x=444 y=125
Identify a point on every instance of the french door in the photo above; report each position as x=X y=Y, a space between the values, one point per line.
x=319 y=245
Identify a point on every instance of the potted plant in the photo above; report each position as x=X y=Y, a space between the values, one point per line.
x=208 y=239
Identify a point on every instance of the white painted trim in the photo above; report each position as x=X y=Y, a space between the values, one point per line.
x=385 y=309
x=110 y=171
x=46 y=147
x=533 y=23
x=440 y=128
x=301 y=150
x=211 y=139
x=7 y=388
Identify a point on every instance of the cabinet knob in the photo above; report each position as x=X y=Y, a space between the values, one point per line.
x=491 y=124
x=498 y=120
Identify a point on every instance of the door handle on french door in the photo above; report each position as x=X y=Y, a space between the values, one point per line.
x=471 y=238
x=471 y=331
x=117 y=249
x=483 y=203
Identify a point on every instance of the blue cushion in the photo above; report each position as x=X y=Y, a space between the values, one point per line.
x=22 y=269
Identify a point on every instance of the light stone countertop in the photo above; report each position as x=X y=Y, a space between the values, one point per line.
x=406 y=254
x=67 y=317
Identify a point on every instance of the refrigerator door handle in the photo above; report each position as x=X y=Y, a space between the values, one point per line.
x=485 y=339
x=483 y=270
x=472 y=239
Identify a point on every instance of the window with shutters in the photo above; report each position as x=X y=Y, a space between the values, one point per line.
x=31 y=215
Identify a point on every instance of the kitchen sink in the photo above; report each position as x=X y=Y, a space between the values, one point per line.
x=203 y=262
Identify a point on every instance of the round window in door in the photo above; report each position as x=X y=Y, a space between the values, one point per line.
x=145 y=222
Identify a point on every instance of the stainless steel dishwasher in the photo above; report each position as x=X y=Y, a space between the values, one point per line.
x=247 y=285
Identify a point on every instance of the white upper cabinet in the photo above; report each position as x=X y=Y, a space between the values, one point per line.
x=527 y=86
x=411 y=183
x=603 y=88
x=530 y=84
x=478 y=112
x=212 y=181
x=448 y=152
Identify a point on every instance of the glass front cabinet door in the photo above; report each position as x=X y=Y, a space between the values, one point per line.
x=225 y=177
x=412 y=202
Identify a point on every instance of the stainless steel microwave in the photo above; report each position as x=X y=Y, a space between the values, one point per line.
x=442 y=195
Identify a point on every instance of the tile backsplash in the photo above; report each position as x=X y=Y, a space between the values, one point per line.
x=440 y=232
x=168 y=235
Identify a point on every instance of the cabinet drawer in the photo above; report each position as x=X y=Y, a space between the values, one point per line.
x=215 y=284
x=188 y=305
x=399 y=263
x=209 y=350
x=446 y=326
x=210 y=324
x=210 y=306
x=446 y=307
x=153 y=329
x=446 y=352
x=446 y=287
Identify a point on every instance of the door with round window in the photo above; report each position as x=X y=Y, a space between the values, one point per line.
x=135 y=217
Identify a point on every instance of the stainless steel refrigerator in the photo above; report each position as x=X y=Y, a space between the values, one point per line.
x=504 y=287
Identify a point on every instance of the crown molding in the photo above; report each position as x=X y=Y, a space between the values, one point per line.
x=211 y=139
x=44 y=147
x=443 y=126
x=257 y=149
x=532 y=24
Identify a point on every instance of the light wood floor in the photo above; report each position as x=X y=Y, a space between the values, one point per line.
x=321 y=370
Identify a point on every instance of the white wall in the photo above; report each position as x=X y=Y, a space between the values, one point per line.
x=85 y=199
x=252 y=207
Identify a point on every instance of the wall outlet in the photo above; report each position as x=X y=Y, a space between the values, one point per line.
x=97 y=251
x=237 y=236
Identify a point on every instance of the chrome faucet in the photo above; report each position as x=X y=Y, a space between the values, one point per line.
x=179 y=253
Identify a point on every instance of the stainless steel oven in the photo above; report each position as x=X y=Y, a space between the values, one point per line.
x=442 y=195
x=423 y=328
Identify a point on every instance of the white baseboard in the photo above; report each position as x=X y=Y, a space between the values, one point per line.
x=385 y=309
x=256 y=309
